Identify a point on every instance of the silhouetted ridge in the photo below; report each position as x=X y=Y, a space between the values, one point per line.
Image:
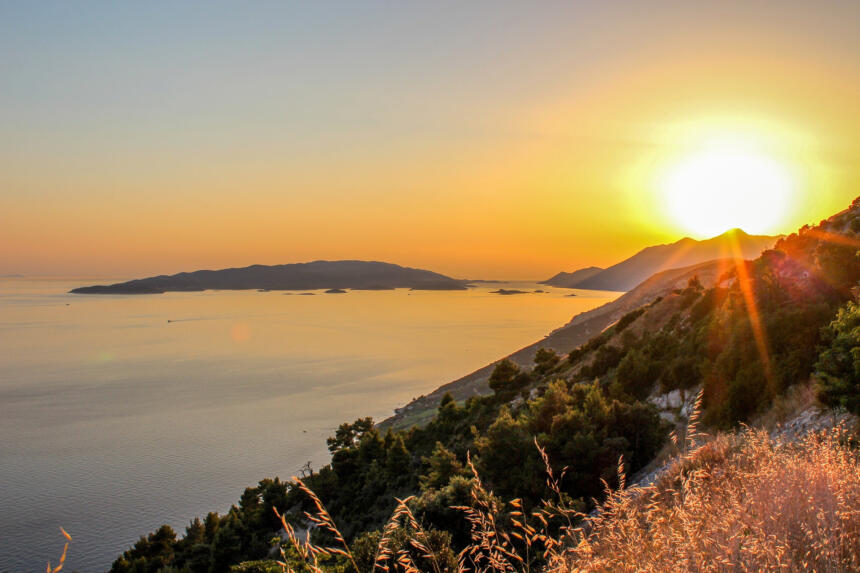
x=683 y=253
x=563 y=279
x=369 y=275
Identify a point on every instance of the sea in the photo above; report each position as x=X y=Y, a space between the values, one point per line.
x=119 y=413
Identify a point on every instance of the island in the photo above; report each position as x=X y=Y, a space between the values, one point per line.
x=330 y=275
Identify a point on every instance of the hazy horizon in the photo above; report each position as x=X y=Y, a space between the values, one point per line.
x=501 y=278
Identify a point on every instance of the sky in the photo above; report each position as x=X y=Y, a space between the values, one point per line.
x=477 y=139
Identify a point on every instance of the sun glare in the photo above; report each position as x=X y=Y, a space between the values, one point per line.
x=727 y=186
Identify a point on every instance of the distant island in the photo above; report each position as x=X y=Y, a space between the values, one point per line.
x=330 y=275
x=506 y=291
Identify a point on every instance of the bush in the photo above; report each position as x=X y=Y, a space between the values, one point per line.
x=506 y=377
x=545 y=360
x=838 y=366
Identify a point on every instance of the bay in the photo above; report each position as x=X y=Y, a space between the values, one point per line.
x=120 y=413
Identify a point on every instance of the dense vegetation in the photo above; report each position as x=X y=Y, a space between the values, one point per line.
x=765 y=326
x=838 y=368
x=578 y=424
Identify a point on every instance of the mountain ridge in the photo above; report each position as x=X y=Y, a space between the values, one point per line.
x=564 y=278
x=630 y=272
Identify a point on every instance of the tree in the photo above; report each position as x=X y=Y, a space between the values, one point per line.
x=628 y=319
x=192 y=551
x=348 y=435
x=506 y=376
x=398 y=462
x=448 y=414
x=228 y=546
x=545 y=360
x=682 y=374
x=508 y=459
x=635 y=374
x=838 y=366
x=840 y=263
x=606 y=358
x=150 y=554
x=442 y=466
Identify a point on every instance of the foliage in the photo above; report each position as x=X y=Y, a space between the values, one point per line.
x=608 y=356
x=838 y=366
x=580 y=428
x=348 y=435
x=507 y=378
x=214 y=543
x=150 y=554
x=628 y=319
x=545 y=360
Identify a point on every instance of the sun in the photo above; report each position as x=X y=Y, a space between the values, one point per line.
x=728 y=185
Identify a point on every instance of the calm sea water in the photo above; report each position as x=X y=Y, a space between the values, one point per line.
x=120 y=413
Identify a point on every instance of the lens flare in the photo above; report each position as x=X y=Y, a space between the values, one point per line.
x=240 y=333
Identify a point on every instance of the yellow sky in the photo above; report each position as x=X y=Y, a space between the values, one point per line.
x=547 y=161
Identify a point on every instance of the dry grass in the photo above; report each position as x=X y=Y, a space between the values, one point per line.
x=739 y=503
x=517 y=547
x=307 y=550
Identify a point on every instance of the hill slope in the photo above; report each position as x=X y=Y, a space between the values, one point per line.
x=742 y=335
x=297 y=276
x=630 y=272
x=564 y=279
x=579 y=330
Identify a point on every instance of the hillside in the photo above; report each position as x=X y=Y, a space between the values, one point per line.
x=361 y=275
x=579 y=330
x=565 y=280
x=630 y=272
x=505 y=480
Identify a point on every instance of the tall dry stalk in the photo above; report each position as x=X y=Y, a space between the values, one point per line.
x=502 y=541
x=321 y=518
x=386 y=557
x=691 y=434
x=744 y=503
x=59 y=566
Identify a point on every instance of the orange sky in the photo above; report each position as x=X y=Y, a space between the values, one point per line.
x=494 y=141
